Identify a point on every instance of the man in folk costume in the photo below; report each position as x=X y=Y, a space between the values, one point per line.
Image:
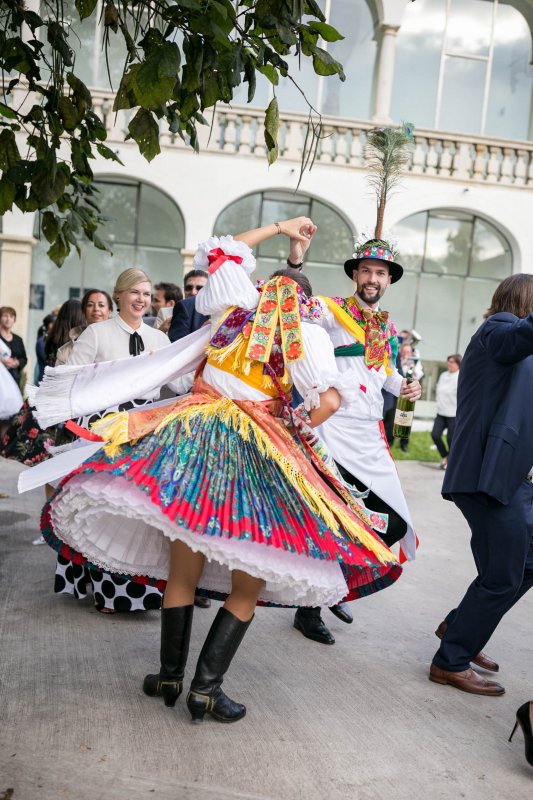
x=366 y=344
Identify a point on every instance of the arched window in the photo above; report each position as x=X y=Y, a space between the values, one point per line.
x=453 y=262
x=145 y=229
x=464 y=65
x=332 y=245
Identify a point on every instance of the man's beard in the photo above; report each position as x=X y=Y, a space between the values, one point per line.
x=370 y=295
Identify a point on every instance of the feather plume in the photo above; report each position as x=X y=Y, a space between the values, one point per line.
x=387 y=153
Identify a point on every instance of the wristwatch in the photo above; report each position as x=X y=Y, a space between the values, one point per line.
x=294 y=266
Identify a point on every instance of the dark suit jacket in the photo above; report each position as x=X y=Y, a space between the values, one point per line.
x=492 y=449
x=185 y=319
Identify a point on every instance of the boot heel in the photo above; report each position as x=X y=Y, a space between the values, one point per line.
x=198 y=705
x=513 y=731
x=153 y=686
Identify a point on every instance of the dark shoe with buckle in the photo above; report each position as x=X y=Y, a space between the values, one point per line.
x=468 y=680
x=481 y=660
x=176 y=626
x=309 y=622
x=205 y=695
x=342 y=611
x=202 y=602
x=523 y=718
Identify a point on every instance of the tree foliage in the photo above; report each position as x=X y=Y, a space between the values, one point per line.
x=179 y=59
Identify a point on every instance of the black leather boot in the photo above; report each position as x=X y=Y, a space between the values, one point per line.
x=205 y=695
x=176 y=626
x=309 y=622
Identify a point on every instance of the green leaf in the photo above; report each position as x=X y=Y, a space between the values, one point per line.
x=126 y=97
x=269 y=72
x=107 y=153
x=312 y=7
x=7 y=194
x=325 y=64
x=50 y=226
x=6 y=111
x=80 y=94
x=144 y=129
x=49 y=182
x=271 y=130
x=210 y=90
x=85 y=7
x=9 y=152
x=58 y=41
x=153 y=83
x=327 y=32
x=68 y=113
x=58 y=251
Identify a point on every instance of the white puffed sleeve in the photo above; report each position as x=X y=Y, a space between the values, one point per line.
x=318 y=371
x=230 y=284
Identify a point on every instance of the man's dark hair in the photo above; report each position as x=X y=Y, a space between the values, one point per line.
x=195 y=273
x=172 y=291
x=297 y=276
x=514 y=295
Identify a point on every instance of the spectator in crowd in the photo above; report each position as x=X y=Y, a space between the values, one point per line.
x=42 y=333
x=96 y=306
x=446 y=407
x=12 y=350
x=164 y=298
x=193 y=281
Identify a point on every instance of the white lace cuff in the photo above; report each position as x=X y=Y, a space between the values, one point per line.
x=342 y=382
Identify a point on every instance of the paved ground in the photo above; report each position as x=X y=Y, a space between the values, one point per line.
x=359 y=720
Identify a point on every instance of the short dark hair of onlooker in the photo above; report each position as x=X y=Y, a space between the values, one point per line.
x=89 y=292
x=8 y=310
x=457 y=357
x=297 y=276
x=194 y=273
x=171 y=291
x=514 y=295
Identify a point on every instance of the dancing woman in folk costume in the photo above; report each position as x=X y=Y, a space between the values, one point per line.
x=214 y=490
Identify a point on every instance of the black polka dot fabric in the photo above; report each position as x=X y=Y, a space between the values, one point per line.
x=114 y=592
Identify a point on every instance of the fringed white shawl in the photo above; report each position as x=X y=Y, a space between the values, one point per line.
x=68 y=392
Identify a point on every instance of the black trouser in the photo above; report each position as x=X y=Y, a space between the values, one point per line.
x=397 y=527
x=440 y=425
x=502 y=546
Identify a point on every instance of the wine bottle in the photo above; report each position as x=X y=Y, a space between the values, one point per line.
x=405 y=411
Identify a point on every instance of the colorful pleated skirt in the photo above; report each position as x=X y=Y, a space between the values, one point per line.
x=230 y=480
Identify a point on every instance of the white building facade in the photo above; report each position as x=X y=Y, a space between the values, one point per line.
x=459 y=70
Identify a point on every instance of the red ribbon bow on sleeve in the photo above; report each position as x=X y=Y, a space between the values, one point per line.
x=217 y=257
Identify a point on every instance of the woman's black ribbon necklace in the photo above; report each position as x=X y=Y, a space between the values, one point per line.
x=136 y=344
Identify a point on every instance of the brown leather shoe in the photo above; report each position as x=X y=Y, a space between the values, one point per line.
x=467 y=681
x=481 y=660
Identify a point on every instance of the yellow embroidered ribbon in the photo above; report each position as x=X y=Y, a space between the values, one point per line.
x=278 y=306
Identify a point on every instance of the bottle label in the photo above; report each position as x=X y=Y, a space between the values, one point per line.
x=403 y=418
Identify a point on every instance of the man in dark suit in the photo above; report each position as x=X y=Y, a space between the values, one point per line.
x=185 y=319
x=489 y=478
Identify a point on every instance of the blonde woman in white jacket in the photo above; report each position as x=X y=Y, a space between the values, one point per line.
x=446 y=407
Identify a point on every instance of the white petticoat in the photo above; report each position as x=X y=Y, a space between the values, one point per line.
x=116 y=527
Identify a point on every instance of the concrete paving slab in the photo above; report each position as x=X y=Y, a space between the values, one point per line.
x=359 y=719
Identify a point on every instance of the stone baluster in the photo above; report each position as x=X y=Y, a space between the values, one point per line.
x=529 y=181
x=325 y=148
x=521 y=167
x=463 y=161
x=245 y=144
x=432 y=158
x=507 y=169
x=230 y=133
x=341 y=149
x=480 y=162
x=446 y=159
x=356 y=149
x=493 y=166
x=419 y=155
x=293 y=140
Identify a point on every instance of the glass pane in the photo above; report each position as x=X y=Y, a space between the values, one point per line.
x=411 y=235
x=417 y=66
x=437 y=315
x=274 y=209
x=491 y=254
x=116 y=60
x=469 y=27
x=476 y=300
x=100 y=270
x=161 y=264
x=511 y=80
x=463 y=88
x=160 y=220
x=334 y=240
x=357 y=54
x=263 y=93
x=399 y=300
x=242 y=215
x=448 y=246
x=289 y=97
x=329 y=280
x=119 y=202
